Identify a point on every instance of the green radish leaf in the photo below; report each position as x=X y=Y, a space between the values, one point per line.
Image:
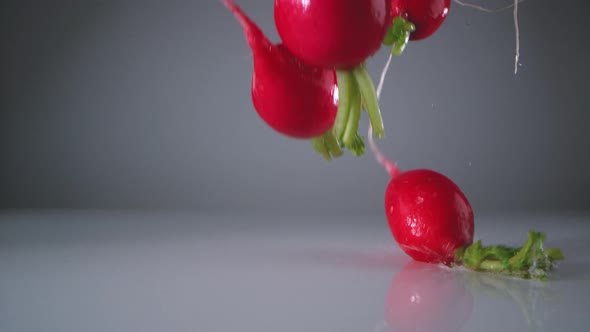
x=389 y=37
x=398 y=35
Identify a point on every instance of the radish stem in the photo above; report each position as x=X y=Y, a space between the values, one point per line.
x=369 y=96
x=332 y=144
x=390 y=167
x=320 y=147
x=327 y=145
x=358 y=146
x=492 y=265
x=355 y=91
x=529 y=261
x=398 y=35
x=353 y=119
x=345 y=88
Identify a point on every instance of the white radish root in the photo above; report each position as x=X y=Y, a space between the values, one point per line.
x=391 y=167
x=516 y=25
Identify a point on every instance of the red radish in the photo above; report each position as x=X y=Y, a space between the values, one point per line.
x=332 y=33
x=426 y=15
x=432 y=221
x=339 y=34
x=293 y=98
x=429 y=216
x=424 y=297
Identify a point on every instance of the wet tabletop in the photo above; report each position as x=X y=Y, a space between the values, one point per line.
x=141 y=271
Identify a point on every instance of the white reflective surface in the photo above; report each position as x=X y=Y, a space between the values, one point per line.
x=100 y=271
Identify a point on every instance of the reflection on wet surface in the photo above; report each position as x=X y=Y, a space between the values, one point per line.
x=426 y=297
x=117 y=272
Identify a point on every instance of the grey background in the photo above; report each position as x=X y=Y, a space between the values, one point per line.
x=146 y=104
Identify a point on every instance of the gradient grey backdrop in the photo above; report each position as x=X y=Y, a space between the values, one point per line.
x=145 y=104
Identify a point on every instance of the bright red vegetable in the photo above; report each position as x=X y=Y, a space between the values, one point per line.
x=432 y=221
x=332 y=33
x=423 y=297
x=429 y=216
x=426 y=15
x=339 y=34
x=293 y=98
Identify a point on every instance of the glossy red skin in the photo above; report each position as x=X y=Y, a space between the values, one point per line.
x=332 y=33
x=424 y=297
x=426 y=15
x=295 y=99
x=428 y=215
